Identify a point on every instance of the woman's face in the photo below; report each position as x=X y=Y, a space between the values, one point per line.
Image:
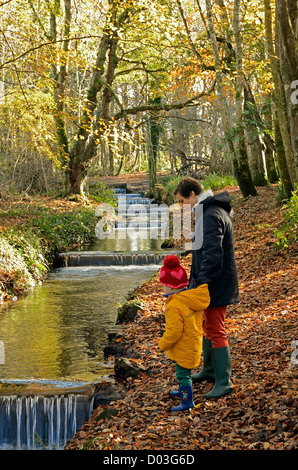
x=192 y=199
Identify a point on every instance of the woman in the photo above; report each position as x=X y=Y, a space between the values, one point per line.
x=213 y=263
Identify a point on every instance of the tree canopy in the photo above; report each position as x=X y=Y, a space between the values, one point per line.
x=108 y=86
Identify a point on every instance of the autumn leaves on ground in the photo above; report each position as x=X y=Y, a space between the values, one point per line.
x=261 y=413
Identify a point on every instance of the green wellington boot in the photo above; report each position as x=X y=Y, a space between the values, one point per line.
x=207 y=373
x=222 y=368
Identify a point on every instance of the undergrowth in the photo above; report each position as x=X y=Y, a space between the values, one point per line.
x=287 y=233
x=27 y=251
x=165 y=188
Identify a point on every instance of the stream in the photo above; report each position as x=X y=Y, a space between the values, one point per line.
x=54 y=338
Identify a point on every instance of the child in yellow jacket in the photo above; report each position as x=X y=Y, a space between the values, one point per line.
x=183 y=336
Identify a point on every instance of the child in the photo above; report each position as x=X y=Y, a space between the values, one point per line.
x=183 y=335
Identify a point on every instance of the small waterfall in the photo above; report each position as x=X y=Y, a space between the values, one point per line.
x=135 y=199
x=41 y=422
x=145 y=228
x=93 y=258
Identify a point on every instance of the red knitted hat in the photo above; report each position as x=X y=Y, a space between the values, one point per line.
x=172 y=274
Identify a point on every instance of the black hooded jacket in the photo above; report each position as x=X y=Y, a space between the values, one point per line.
x=214 y=263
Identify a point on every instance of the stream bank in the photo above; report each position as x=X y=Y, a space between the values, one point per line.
x=33 y=230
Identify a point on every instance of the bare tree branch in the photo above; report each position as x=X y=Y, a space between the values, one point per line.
x=4 y=3
x=163 y=107
x=44 y=44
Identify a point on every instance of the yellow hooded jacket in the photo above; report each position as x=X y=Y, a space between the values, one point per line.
x=183 y=335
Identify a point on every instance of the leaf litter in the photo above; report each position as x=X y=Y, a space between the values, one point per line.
x=261 y=412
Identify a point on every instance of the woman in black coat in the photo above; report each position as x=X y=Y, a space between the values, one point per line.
x=213 y=263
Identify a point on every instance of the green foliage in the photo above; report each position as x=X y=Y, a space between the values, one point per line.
x=170 y=185
x=214 y=181
x=21 y=265
x=65 y=229
x=21 y=210
x=31 y=250
x=101 y=193
x=281 y=196
x=287 y=232
x=26 y=250
x=164 y=191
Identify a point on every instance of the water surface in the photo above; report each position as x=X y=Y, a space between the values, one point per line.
x=58 y=331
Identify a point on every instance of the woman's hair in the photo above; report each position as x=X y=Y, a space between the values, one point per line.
x=187 y=185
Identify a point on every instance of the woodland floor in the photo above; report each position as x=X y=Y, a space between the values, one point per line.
x=261 y=413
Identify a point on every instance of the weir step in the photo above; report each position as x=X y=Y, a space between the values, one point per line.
x=39 y=422
x=90 y=258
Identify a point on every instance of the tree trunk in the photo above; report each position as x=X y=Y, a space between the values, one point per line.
x=255 y=160
x=155 y=130
x=254 y=145
x=103 y=157
x=79 y=164
x=279 y=94
x=243 y=173
x=268 y=150
x=270 y=164
x=281 y=159
x=287 y=31
x=107 y=100
x=59 y=76
x=90 y=132
x=111 y=146
x=111 y=157
x=239 y=155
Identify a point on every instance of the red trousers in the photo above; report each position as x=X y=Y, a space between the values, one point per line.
x=214 y=326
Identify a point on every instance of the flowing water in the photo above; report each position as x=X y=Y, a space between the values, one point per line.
x=58 y=332
x=38 y=422
x=53 y=340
